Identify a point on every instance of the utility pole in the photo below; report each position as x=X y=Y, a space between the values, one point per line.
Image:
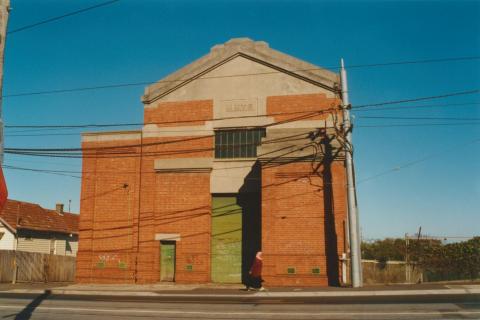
x=4 y=10
x=354 y=235
x=407 y=265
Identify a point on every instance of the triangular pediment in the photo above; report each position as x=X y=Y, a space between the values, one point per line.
x=257 y=51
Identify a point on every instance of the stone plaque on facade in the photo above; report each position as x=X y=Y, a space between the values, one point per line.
x=238 y=107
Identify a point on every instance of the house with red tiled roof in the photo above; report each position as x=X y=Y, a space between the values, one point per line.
x=28 y=227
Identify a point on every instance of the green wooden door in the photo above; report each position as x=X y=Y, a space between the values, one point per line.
x=167 y=261
x=226 y=240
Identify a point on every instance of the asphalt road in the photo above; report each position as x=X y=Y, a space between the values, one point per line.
x=47 y=306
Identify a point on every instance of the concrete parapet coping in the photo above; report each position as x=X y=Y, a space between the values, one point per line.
x=183 y=164
x=154 y=131
x=110 y=135
x=258 y=51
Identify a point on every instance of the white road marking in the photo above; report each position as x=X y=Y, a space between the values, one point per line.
x=246 y=312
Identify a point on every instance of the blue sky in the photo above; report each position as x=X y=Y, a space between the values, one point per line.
x=140 y=41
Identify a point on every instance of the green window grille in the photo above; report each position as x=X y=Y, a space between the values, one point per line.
x=291 y=270
x=237 y=143
x=315 y=270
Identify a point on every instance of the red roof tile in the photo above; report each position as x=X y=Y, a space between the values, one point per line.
x=25 y=215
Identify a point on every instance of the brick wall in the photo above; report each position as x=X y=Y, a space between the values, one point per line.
x=175 y=203
x=108 y=209
x=303 y=213
x=302 y=216
x=183 y=113
x=183 y=205
x=299 y=227
x=112 y=215
x=284 y=108
x=168 y=201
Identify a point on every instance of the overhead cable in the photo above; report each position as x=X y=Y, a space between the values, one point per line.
x=441 y=96
x=372 y=105
x=36 y=24
x=417 y=161
x=147 y=83
x=92 y=125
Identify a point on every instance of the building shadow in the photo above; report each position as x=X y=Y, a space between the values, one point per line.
x=331 y=246
x=249 y=198
x=27 y=312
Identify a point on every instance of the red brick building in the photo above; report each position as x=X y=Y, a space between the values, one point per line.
x=238 y=153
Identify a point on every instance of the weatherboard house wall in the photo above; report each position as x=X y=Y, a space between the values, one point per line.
x=28 y=227
x=172 y=183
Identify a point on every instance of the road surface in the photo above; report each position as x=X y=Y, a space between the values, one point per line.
x=68 y=307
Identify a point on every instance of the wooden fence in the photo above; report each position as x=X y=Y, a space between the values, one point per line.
x=36 y=267
x=375 y=272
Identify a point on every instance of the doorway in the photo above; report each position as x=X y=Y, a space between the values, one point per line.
x=236 y=235
x=167 y=261
x=226 y=239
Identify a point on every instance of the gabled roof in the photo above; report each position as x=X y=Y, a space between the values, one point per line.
x=258 y=51
x=30 y=216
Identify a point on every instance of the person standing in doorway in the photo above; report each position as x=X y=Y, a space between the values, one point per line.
x=255 y=273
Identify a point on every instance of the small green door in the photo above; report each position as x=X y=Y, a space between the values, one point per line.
x=226 y=240
x=167 y=261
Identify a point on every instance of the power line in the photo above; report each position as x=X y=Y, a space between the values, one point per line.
x=418 y=118
x=109 y=155
x=412 y=62
x=81 y=151
x=60 y=127
x=305 y=115
x=441 y=96
x=151 y=154
x=356 y=126
x=177 y=140
x=74 y=126
x=394 y=169
x=44 y=170
x=417 y=161
x=391 y=102
x=420 y=106
x=146 y=83
x=64 y=151
x=53 y=163
x=397 y=168
x=67 y=172
x=36 y=24
x=418 y=125
x=124 y=150
x=79 y=89
x=41 y=171
x=43 y=134
x=286 y=139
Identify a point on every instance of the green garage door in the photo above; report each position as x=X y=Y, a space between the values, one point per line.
x=226 y=240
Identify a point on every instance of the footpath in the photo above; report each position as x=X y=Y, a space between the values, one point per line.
x=238 y=291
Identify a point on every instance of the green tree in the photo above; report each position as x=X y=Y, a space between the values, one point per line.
x=384 y=250
x=460 y=260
